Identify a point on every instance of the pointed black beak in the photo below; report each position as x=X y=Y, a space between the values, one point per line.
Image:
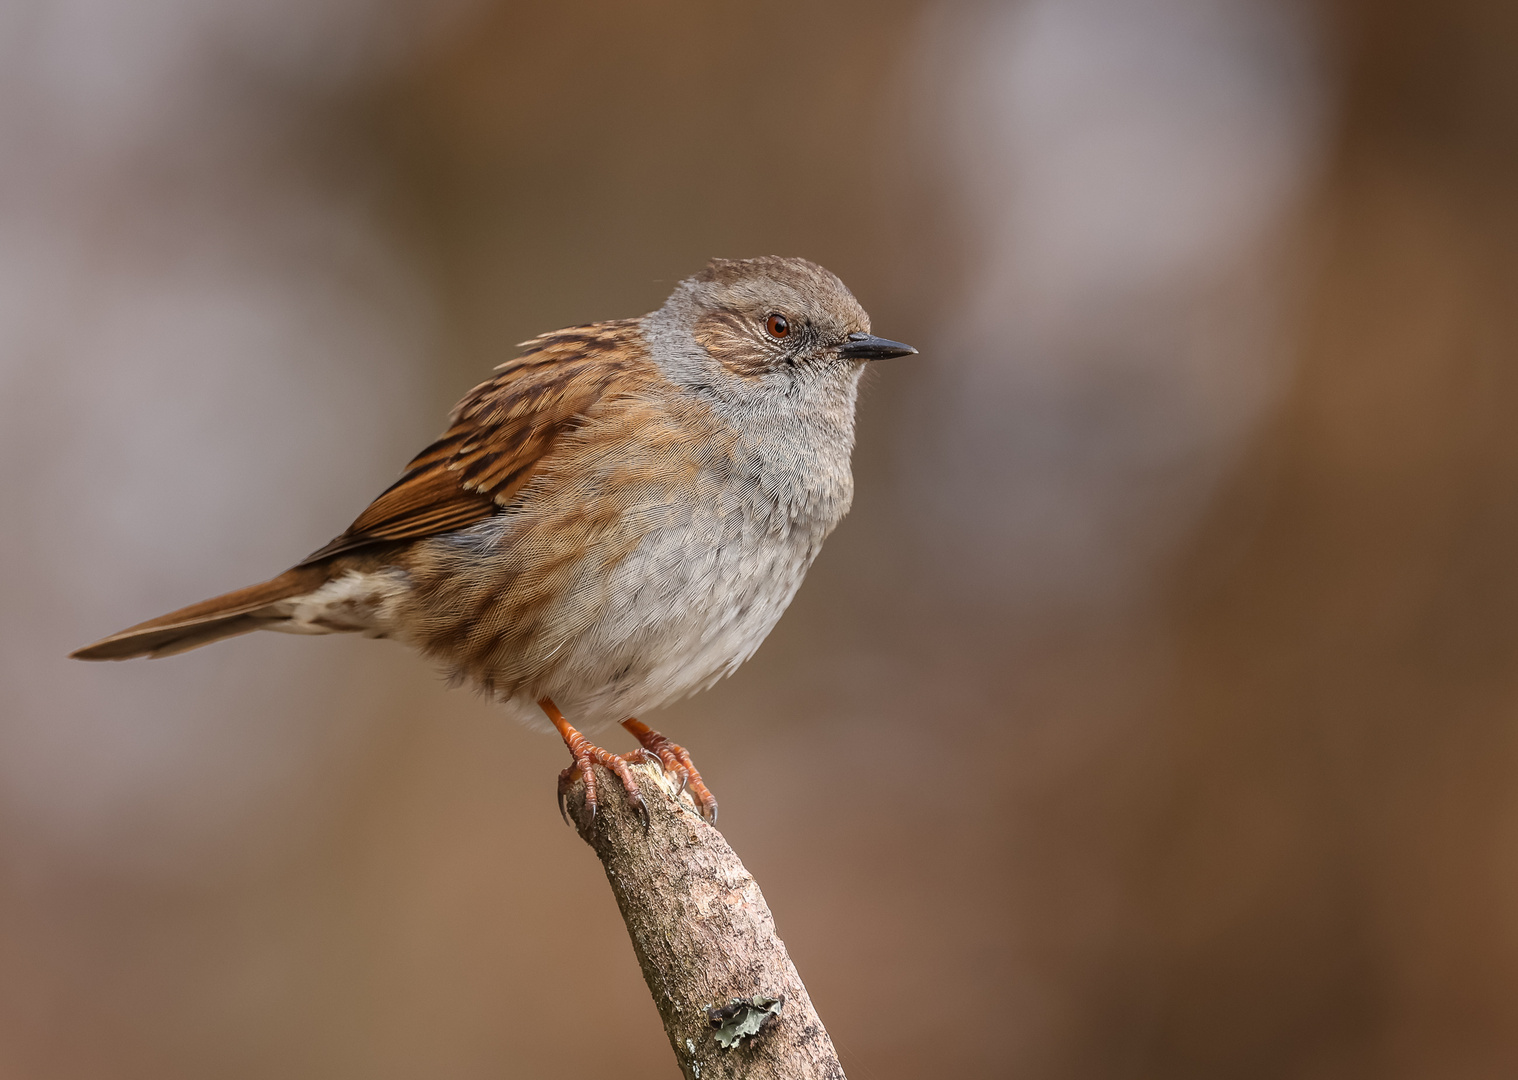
x=865 y=347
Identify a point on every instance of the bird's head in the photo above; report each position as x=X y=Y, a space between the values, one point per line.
x=763 y=326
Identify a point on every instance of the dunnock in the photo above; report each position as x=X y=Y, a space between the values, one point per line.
x=614 y=521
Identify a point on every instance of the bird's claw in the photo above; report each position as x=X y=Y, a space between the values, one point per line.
x=654 y=749
x=582 y=770
x=675 y=760
x=636 y=798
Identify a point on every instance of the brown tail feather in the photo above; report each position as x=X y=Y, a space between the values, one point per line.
x=210 y=620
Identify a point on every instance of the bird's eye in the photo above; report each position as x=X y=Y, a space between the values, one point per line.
x=777 y=326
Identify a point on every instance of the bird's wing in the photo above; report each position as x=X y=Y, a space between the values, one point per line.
x=500 y=433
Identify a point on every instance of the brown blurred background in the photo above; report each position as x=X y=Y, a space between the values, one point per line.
x=1155 y=713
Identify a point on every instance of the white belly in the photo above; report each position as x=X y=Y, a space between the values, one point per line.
x=690 y=604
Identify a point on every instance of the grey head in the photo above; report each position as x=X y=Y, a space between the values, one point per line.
x=767 y=329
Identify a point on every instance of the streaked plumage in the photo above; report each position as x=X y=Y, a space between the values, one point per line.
x=615 y=520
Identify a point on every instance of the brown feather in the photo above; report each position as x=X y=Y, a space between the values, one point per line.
x=222 y=616
x=501 y=431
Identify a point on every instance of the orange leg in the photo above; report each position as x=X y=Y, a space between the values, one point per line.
x=675 y=760
x=584 y=753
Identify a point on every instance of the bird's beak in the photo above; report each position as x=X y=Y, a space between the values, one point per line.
x=865 y=347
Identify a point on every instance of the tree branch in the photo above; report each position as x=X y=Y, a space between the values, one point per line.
x=731 y=1001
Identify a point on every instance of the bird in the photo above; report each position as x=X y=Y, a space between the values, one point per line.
x=612 y=522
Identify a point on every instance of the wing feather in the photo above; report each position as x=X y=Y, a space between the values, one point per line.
x=500 y=432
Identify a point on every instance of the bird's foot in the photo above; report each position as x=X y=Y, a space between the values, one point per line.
x=676 y=761
x=585 y=753
x=656 y=750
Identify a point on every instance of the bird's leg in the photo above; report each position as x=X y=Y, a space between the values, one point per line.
x=675 y=760
x=584 y=752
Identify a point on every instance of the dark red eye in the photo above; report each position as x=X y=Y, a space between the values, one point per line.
x=777 y=326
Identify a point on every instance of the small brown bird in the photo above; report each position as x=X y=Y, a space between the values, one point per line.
x=614 y=521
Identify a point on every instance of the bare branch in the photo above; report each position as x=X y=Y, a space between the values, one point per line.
x=729 y=996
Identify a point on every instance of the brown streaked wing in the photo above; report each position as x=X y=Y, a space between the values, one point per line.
x=500 y=431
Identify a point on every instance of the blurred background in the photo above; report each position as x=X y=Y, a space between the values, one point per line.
x=1154 y=714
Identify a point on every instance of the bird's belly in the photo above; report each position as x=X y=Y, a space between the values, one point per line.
x=612 y=610
x=682 y=611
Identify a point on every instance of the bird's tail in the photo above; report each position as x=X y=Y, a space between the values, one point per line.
x=239 y=612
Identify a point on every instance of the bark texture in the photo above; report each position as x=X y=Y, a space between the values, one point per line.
x=730 y=998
